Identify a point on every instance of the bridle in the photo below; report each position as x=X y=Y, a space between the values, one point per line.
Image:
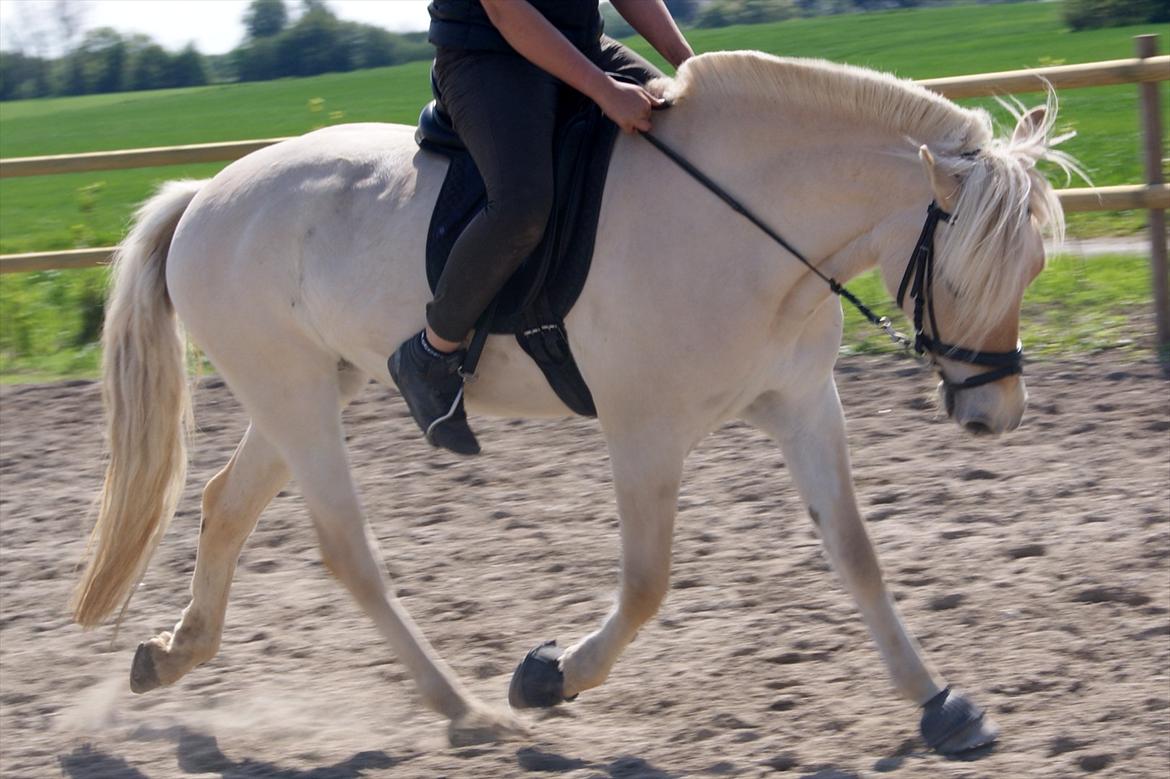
x=917 y=281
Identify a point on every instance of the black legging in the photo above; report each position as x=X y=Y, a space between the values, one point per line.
x=504 y=109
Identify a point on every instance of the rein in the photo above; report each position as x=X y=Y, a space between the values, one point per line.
x=917 y=280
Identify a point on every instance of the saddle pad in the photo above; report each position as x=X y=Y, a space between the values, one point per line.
x=557 y=269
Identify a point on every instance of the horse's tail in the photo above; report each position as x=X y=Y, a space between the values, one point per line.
x=144 y=389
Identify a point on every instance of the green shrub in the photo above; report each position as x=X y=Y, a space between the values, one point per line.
x=1091 y=14
x=725 y=13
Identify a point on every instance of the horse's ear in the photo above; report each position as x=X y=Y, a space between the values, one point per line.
x=1029 y=124
x=945 y=185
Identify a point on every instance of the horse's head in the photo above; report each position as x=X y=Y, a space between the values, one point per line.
x=993 y=208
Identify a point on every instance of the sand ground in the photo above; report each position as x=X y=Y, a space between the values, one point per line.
x=1034 y=569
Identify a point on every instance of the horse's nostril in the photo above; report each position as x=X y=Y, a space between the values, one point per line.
x=977 y=428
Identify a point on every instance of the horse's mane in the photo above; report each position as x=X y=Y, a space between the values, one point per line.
x=1001 y=198
x=832 y=89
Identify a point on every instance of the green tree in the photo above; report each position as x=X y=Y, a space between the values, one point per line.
x=313 y=45
x=188 y=68
x=150 y=68
x=370 y=47
x=103 y=60
x=1090 y=14
x=683 y=11
x=723 y=13
x=265 y=18
x=312 y=6
x=22 y=76
x=71 y=75
x=256 y=60
x=615 y=25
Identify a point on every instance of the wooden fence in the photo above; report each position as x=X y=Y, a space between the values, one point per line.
x=1146 y=69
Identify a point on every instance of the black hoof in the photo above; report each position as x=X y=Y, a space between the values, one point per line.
x=952 y=724
x=538 y=682
x=143 y=674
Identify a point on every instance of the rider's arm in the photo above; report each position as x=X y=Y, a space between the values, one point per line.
x=537 y=40
x=652 y=20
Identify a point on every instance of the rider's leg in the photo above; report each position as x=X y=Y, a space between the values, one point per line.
x=504 y=109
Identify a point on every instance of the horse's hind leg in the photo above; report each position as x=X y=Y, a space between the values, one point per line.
x=811 y=434
x=232 y=503
x=304 y=425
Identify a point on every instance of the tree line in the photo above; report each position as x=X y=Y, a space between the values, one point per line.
x=317 y=42
x=104 y=61
x=275 y=46
x=725 y=13
x=1089 y=14
x=1078 y=14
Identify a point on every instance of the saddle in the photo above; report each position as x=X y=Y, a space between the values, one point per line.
x=533 y=303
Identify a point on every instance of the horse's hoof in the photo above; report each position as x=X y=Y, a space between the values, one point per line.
x=538 y=681
x=143 y=674
x=952 y=724
x=482 y=725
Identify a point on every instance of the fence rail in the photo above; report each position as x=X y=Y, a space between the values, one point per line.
x=1089 y=74
x=131 y=158
x=1145 y=69
x=1129 y=196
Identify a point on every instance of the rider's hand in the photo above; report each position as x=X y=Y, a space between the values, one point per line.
x=628 y=105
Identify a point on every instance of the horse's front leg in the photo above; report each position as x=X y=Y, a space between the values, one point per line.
x=811 y=433
x=646 y=478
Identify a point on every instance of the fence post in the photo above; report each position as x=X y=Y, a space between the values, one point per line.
x=1147 y=46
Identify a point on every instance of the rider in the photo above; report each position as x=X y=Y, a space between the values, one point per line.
x=500 y=67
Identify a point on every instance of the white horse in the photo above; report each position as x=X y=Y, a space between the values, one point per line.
x=299 y=268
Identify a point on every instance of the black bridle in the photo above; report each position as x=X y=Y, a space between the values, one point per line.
x=917 y=280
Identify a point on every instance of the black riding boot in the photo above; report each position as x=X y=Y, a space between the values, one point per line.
x=433 y=390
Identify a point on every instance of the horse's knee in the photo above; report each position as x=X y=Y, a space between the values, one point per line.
x=213 y=495
x=853 y=555
x=221 y=525
x=641 y=595
x=335 y=555
x=347 y=557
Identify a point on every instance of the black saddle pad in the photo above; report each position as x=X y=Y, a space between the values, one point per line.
x=551 y=278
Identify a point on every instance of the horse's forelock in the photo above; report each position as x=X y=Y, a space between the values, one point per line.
x=1003 y=200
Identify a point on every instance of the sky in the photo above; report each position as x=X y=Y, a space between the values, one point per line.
x=215 y=26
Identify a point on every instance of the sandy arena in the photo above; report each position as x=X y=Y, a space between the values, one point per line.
x=1034 y=569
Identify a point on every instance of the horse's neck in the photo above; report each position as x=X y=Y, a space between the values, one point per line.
x=835 y=191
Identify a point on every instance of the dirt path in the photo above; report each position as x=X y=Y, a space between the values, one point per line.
x=1034 y=569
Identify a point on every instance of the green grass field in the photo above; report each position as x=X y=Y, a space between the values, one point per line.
x=1075 y=305
x=45 y=318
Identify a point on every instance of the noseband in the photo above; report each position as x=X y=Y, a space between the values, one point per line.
x=918 y=281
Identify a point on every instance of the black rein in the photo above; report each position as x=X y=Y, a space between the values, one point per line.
x=917 y=280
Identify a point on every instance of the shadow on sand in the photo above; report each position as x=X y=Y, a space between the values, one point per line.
x=628 y=767
x=541 y=761
x=198 y=753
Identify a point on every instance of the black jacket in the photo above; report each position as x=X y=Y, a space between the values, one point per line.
x=463 y=24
